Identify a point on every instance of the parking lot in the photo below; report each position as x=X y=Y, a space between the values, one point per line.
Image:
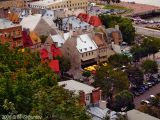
x=152 y=91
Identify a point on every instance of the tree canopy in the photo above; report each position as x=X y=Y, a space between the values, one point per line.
x=135 y=76
x=123 y=101
x=117 y=60
x=29 y=87
x=150 y=66
x=110 y=81
x=147 y=47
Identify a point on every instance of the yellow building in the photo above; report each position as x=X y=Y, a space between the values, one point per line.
x=60 y=4
x=12 y=3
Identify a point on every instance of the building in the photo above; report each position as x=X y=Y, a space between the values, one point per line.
x=10 y=33
x=92 y=20
x=137 y=115
x=56 y=39
x=5 y=4
x=88 y=94
x=114 y=35
x=80 y=48
x=74 y=23
x=102 y=47
x=60 y=4
x=37 y=23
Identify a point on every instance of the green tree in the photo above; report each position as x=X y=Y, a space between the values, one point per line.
x=110 y=80
x=117 y=60
x=29 y=87
x=150 y=66
x=123 y=101
x=135 y=76
x=128 y=31
x=65 y=63
x=56 y=103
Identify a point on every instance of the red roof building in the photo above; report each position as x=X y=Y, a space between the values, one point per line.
x=95 y=21
x=83 y=17
x=55 y=51
x=92 y=20
x=54 y=65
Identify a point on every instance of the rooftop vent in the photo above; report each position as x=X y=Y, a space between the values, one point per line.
x=90 y=47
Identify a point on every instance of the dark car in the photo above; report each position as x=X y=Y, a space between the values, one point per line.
x=145 y=86
x=152 y=82
x=141 y=90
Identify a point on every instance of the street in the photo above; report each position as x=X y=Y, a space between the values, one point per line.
x=152 y=91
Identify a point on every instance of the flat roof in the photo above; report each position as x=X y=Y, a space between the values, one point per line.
x=75 y=86
x=137 y=115
x=46 y=2
x=4 y=23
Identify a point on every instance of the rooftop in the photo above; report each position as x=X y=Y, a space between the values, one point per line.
x=4 y=24
x=58 y=39
x=76 y=23
x=85 y=43
x=75 y=86
x=137 y=115
x=45 y=2
x=31 y=21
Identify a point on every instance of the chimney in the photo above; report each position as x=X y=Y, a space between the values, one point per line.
x=96 y=96
x=102 y=104
x=70 y=26
x=82 y=97
x=117 y=27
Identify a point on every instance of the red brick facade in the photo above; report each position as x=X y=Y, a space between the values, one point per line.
x=12 y=35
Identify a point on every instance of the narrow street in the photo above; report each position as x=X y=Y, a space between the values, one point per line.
x=152 y=91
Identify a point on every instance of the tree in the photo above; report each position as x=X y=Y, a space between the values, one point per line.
x=57 y=103
x=128 y=31
x=117 y=60
x=120 y=80
x=123 y=101
x=150 y=66
x=65 y=64
x=135 y=76
x=110 y=81
x=29 y=87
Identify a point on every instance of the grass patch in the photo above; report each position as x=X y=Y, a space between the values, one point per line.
x=118 y=7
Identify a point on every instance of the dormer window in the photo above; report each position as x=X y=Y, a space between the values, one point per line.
x=81 y=50
x=90 y=47
x=85 y=49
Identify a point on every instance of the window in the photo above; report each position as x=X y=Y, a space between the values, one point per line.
x=86 y=54
x=87 y=97
x=82 y=54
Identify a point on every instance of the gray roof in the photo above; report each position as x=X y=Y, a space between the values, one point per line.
x=76 y=23
x=4 y=23
x=137 y=115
